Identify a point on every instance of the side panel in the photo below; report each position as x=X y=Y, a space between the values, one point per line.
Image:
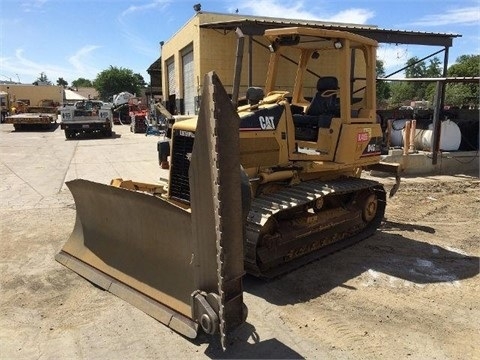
x=263 y=135
x=359 y=144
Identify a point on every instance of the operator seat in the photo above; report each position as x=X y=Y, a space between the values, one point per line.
x=254 y=95
x=319 y=114
x=325 y=99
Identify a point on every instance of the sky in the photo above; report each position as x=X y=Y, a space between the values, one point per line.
x=73 y=39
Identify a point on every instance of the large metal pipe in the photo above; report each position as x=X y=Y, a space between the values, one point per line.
x=406 y=137
x=389 y=132
x=413 y=130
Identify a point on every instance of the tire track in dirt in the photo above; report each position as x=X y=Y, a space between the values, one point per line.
x=332 y=328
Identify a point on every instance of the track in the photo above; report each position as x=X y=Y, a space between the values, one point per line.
x=282 y=234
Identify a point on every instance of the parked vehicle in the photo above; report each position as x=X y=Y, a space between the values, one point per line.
x=87 y=116
x=43 y=115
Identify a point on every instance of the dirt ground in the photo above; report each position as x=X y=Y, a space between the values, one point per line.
x=411 y=291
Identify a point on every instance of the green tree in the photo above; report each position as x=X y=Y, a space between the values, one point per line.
x=466 y=65
x=401 y=91
x=428 y=89
x=42 y=80
x=115 y=80
x=81 y=82
x=383 y=87
x=62 y=82
x=434 y=69
x=415 y=68
x=459 y=94
x=140 y=79
x=408 y=91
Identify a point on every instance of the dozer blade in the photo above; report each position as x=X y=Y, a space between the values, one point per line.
x=182 y=268
x=136 y=246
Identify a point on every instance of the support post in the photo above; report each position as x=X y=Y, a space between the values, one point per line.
x=437 y=124
x=238 y=67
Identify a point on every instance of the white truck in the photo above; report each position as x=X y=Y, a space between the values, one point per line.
x=87 y=116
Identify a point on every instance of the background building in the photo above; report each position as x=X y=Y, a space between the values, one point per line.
x=32 y=94
x=208 y=42
x=155 y=89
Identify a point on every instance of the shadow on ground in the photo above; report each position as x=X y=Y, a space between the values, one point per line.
x=97 y=135
x=245 y=343
x=36 y=127
x=388 y=253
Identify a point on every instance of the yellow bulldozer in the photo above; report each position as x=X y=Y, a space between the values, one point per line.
x=263 y=187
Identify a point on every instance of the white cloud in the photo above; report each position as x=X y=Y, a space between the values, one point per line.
x=353 y=16
x=137 y=42
x=33 y=5
x=298 y=10
x=80 y=61
x=28 y=70
x=461 y=16
x=23 y=68
x=394 y=58
x=155 y=4
x=275 y=8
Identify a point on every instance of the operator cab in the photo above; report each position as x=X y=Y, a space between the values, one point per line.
x=333 y=100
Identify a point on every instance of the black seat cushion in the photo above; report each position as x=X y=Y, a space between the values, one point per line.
x=324 y=104
x=306 y=126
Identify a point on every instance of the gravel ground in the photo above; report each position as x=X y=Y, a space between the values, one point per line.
x=408 y=292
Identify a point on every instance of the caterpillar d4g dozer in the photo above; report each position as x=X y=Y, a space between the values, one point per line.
x=266 y=188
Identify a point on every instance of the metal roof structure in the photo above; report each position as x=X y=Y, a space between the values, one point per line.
x=453 y=79
x=256 y=26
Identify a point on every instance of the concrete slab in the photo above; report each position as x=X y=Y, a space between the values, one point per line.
x=448 y=163
x=35 y=165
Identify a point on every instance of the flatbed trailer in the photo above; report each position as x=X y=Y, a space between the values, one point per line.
x=45 y=120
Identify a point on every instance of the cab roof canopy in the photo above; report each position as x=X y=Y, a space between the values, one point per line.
x=310 y=38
